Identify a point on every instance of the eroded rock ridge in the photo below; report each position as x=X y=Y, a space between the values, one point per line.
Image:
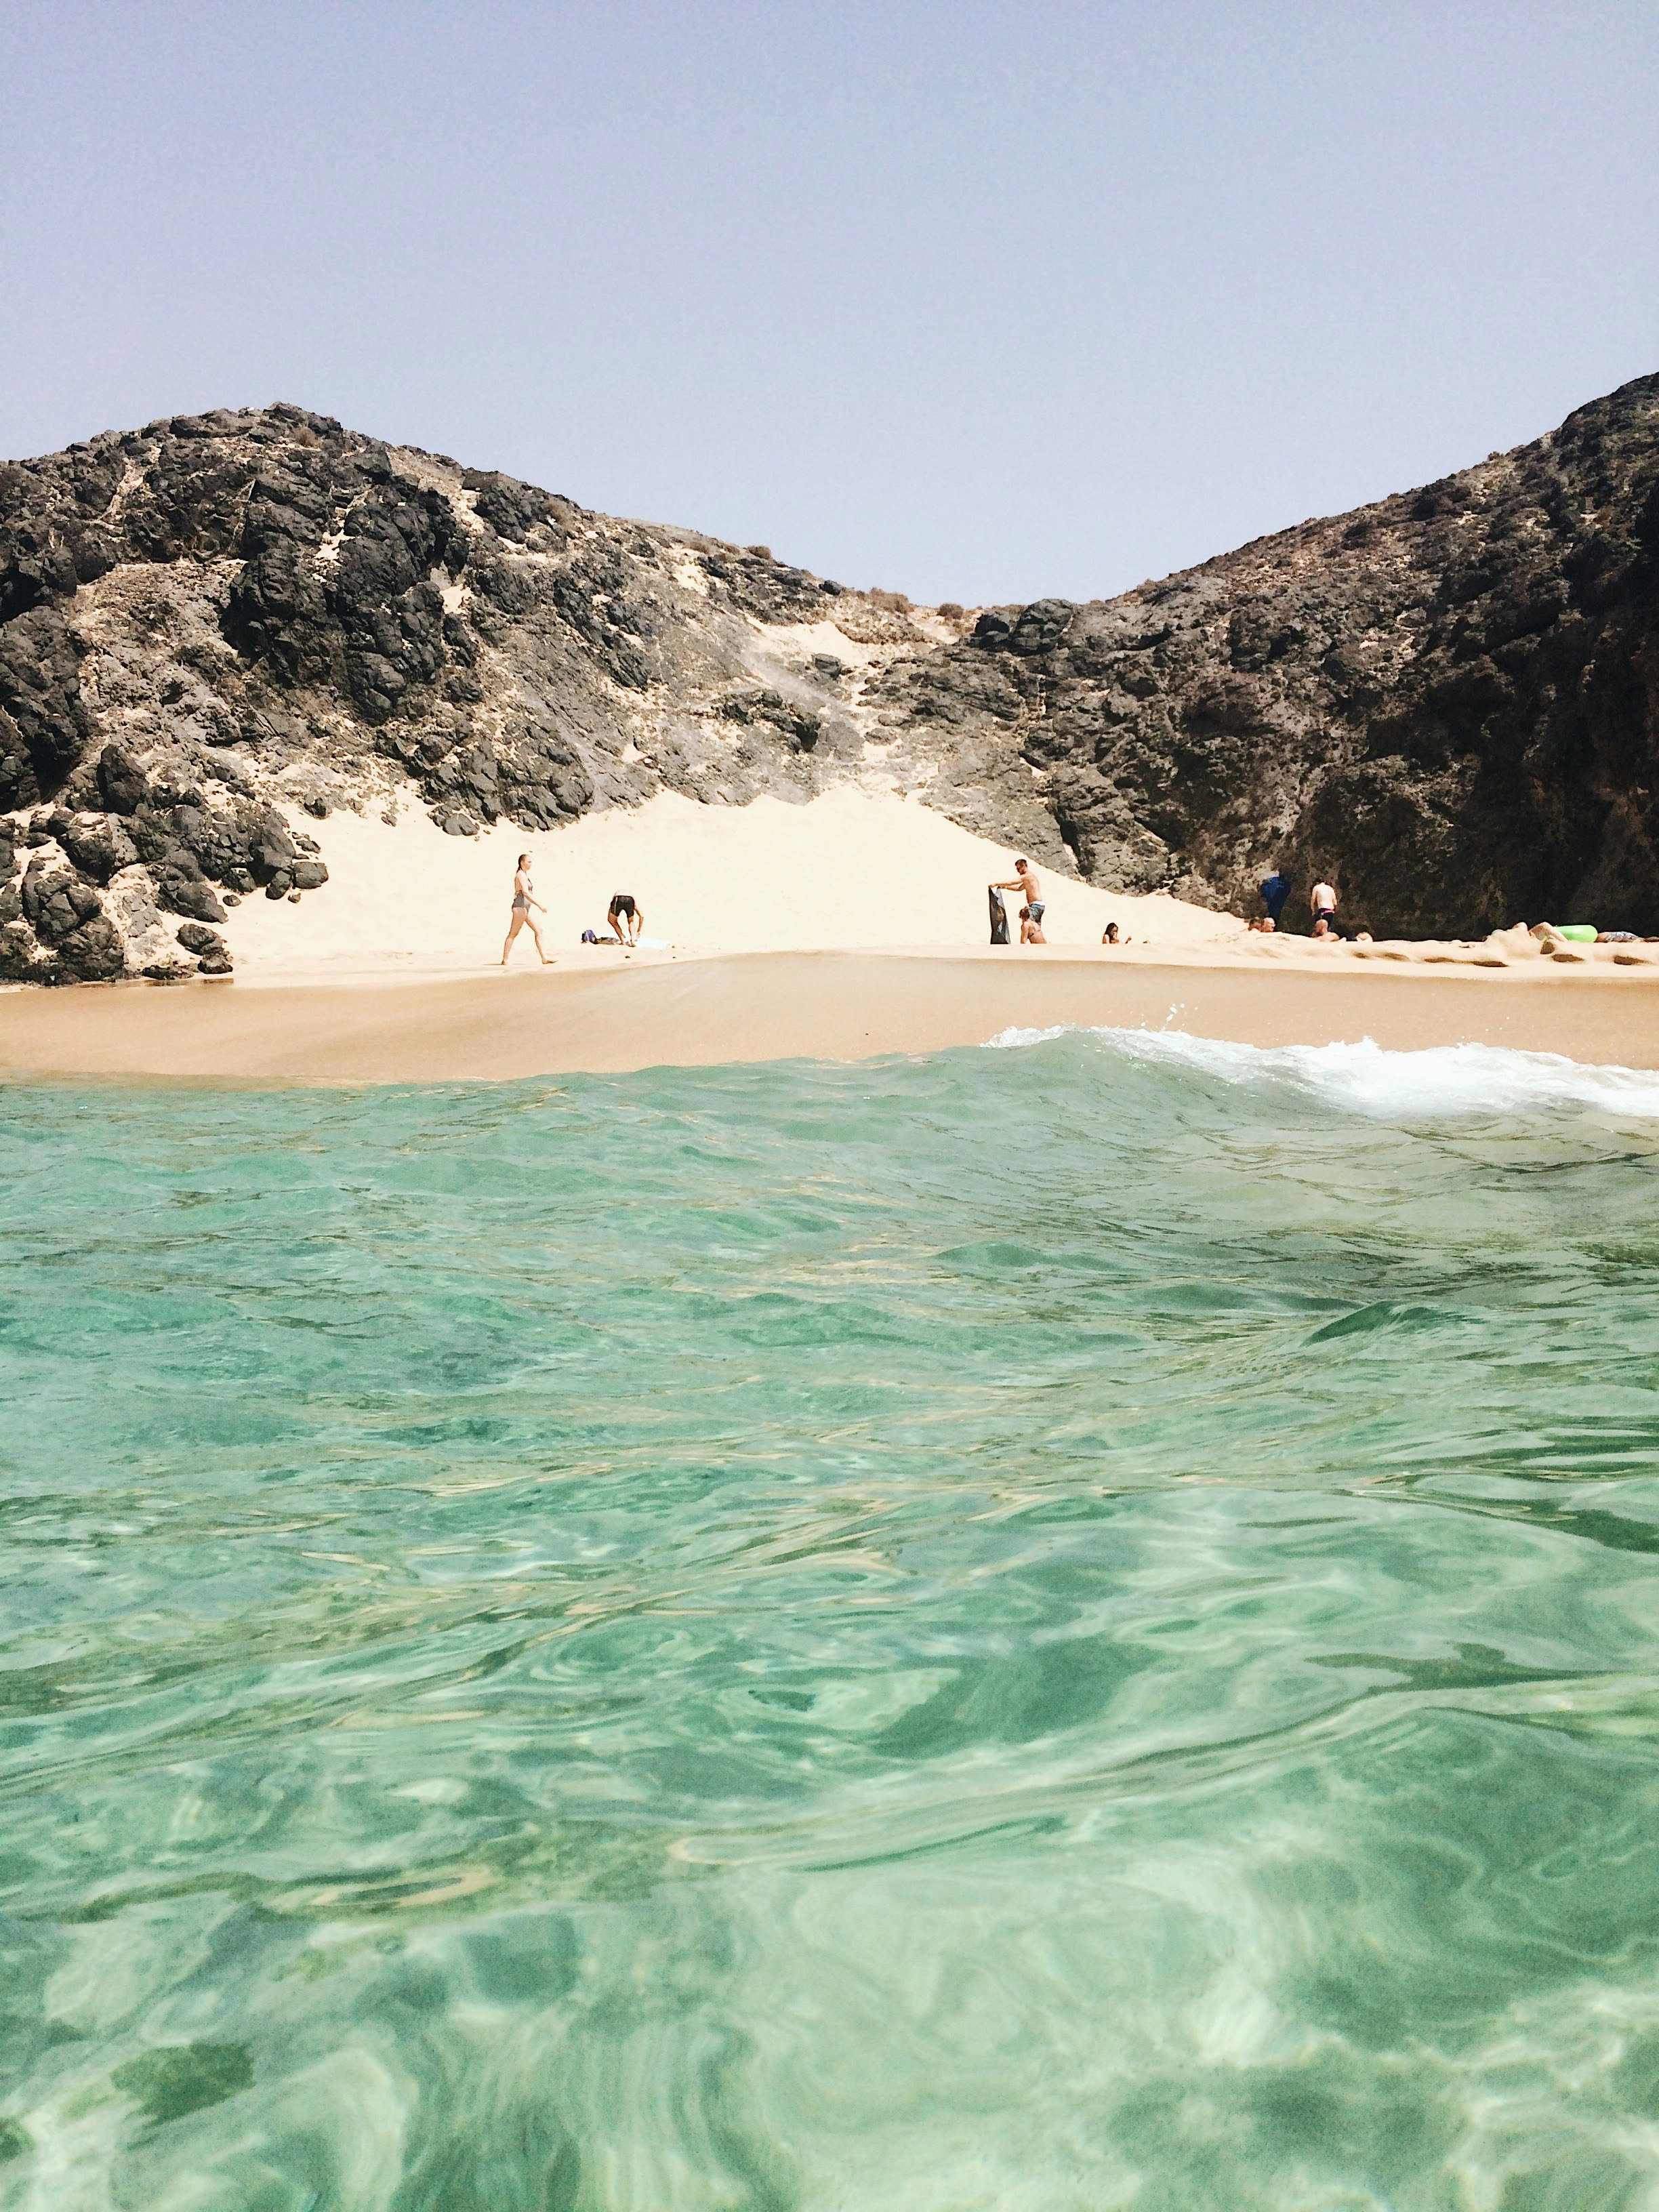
x=1447 y=701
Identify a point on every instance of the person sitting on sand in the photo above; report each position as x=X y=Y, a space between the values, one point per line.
x=623 y=906
x=522 y=903
x=1025 y=880
x=1322 y=903
x=1031 y=925
x=1110 y=936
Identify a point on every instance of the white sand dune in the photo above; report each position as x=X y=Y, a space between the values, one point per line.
x=853 y=869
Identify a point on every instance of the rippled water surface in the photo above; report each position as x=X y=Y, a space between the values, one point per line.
x=1067 y=1626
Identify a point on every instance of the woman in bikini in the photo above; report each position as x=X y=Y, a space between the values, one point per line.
x=522 y=903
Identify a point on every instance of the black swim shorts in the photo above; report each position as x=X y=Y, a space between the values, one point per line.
x=623 y=904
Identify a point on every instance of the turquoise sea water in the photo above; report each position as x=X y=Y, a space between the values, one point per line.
x=1067 y=1626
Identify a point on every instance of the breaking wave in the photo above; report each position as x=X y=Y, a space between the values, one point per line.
x=1440 y=1080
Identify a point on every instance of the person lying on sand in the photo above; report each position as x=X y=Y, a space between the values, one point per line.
x=1031 y=925
x=623 y=906
x=522 y=903
x=1025 y=880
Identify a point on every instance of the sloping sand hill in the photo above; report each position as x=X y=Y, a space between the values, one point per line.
x=852 y=869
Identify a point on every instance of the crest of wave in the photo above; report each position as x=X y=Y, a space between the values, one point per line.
x=1362 y=1079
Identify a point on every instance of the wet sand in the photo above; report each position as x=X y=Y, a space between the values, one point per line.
x=603 y=1018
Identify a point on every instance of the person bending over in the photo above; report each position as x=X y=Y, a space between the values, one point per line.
x=1322 y=903
x=523 y=902
x=624 y=910
x=1024 y=879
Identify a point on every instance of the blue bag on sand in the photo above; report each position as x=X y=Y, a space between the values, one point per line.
x=590 y=937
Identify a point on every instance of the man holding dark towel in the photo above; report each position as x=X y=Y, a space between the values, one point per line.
x=1274 y=892
x=1024 y=878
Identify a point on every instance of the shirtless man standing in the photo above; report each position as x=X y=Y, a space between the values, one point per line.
x=1322 y=904
x=1024 y=879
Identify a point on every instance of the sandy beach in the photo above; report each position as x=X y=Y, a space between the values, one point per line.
x=778 y=1006
x=845 y=929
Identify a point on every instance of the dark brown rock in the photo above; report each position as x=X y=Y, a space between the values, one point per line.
x=98 y=844
x=121 y=780
x=196 y=937
x=1448 y=703
x=180 y=893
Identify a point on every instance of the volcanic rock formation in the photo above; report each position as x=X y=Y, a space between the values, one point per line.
x=1447 y=701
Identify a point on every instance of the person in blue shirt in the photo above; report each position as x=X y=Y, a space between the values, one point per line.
x=1274 y=892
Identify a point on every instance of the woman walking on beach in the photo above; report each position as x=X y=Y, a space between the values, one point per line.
x=522 y=903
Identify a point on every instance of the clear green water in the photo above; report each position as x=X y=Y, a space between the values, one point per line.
x=1075 y=1626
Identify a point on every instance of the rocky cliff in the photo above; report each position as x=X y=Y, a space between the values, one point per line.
x=1448 y=701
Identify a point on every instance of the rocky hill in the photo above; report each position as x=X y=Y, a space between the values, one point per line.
x=215 y=625
x=1447 y=701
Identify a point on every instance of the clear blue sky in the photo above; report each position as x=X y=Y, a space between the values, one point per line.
x=973 y=301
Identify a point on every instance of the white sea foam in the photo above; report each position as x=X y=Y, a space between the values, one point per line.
x=1443 y=1080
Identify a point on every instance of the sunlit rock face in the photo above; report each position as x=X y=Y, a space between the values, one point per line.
x=1448 y=702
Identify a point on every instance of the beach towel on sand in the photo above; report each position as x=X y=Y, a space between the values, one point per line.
x=998 y=919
